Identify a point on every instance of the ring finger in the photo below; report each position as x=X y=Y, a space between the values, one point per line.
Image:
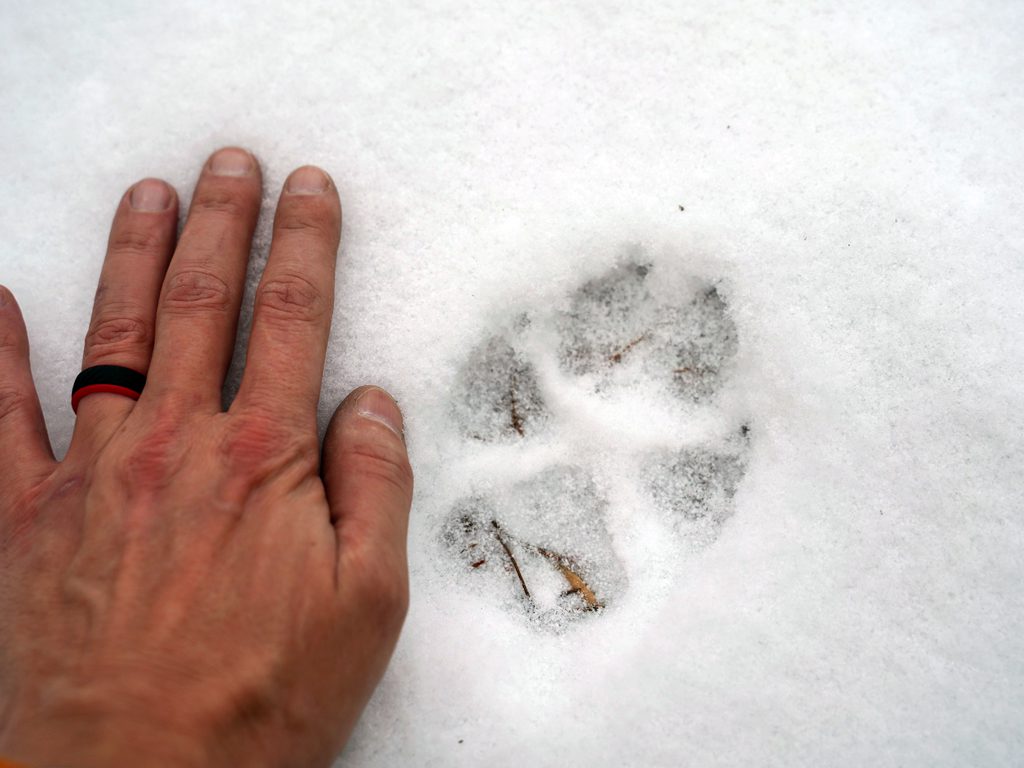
x=122 y=326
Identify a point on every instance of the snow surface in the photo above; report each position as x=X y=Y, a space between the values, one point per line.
x=797 y=496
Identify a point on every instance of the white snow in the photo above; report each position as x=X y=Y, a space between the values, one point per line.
x=852 y=181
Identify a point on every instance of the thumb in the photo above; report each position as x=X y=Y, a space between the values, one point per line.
x=369 y=484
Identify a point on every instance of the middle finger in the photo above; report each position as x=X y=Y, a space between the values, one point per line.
x=197 y=316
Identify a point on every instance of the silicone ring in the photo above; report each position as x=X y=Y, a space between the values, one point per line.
x=112 y=379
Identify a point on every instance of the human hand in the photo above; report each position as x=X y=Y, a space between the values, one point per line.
x=191 y=586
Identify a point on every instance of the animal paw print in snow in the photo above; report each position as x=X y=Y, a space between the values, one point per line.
x=542 y=546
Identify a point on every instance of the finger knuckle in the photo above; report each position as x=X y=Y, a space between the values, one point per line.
x=215 y=201
x=192 y=291
x=290 y=298
x=307 y=220
x=375 y=463
x=135 y=241
x=255 y=446
x=12 y=343
x=155 y=458
x=28 y=502
x=12 y=401
x=111 y=336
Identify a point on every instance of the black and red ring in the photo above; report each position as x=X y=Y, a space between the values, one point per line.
x=112 y=379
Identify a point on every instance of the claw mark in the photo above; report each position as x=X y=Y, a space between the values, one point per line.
x=616 y=357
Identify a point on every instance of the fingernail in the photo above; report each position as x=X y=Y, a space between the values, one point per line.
x=231 y=161
x=150 y=195
x=308 y=180
x=5 y=296
x=376 y=404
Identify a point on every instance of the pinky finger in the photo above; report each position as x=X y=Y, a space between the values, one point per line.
x=23 y=441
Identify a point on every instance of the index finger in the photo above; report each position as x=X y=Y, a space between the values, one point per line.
x=294 y=301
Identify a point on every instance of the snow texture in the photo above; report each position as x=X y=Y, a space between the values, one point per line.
x=714 y=309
